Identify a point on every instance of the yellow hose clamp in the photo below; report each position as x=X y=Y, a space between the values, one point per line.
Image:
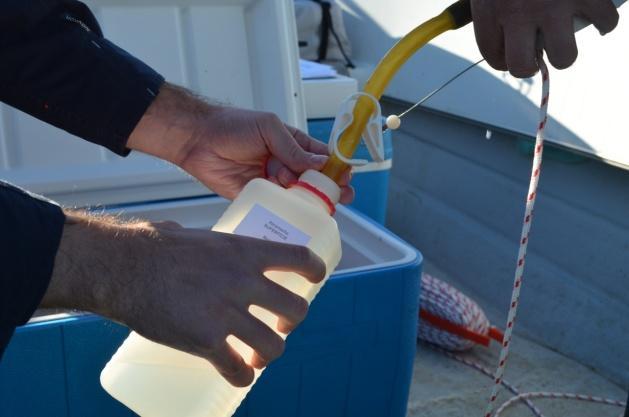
x=372 y=135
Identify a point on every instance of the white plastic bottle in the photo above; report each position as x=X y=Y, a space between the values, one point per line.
x=156 y=381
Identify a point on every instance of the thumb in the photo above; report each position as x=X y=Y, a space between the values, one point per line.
x=285 y=147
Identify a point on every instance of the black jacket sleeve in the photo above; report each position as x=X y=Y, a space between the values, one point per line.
x=56 y=65
x=30 y=231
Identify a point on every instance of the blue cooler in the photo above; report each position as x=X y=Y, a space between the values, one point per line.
x=370 y=181
x=352 y=356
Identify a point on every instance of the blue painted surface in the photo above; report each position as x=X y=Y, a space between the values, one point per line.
x=52 y=369
x=352 y=356
x=459 y=198
x=89 y=344
x=32 y=373
x=357 y=365
x=371 y=187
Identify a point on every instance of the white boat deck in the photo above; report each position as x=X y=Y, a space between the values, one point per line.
x=443 y=387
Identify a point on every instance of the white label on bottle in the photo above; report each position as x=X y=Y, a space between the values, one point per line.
x=264 y=224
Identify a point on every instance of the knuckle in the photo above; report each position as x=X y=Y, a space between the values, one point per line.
x=243 y=248
x=270 y=118
x=513 y=11
x=295 y=152
x=168 y=224
x=298 y=159
x=233 y=242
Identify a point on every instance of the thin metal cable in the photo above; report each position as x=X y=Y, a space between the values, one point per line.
x=438 y=89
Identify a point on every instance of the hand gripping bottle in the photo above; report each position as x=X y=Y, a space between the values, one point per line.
x=157 y=381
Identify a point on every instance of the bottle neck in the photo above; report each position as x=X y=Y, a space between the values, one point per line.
x=318 y=189
x=312 y=198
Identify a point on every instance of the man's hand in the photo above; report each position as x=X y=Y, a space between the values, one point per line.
x=507 y=30
x=185 y=288
x=226 y=147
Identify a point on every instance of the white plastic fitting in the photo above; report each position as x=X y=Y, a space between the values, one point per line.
x=372 y=135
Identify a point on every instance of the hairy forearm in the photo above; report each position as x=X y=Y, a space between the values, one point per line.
x=174 y=117
x=185 y=288
x=93 y=264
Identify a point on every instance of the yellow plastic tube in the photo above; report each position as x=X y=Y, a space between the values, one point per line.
x=382 y=75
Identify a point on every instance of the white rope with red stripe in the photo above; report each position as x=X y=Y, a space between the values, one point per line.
x=526 y=397
x=487 y=372
x=524 y=239
x=559 y=395
x=447 y=302
x=443 y=300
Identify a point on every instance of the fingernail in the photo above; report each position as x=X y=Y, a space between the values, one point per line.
x=318 y=160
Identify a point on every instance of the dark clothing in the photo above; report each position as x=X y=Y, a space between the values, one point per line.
x=56 y=65
x=31 y=229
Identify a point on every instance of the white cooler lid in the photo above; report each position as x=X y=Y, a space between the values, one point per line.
x=324 y=96
x=241 y=52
